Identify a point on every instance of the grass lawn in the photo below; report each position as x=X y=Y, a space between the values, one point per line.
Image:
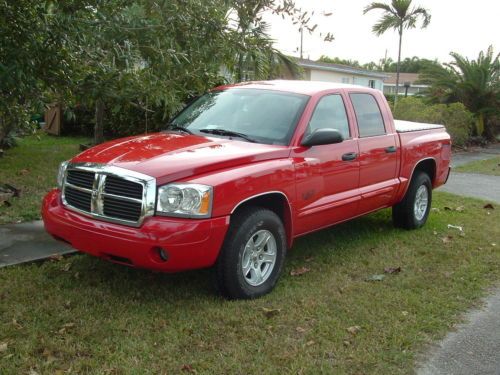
x=84 y=315
x=489 y=166
x=32 y=168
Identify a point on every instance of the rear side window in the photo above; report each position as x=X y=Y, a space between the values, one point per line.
x=370 y=122
x=330 y=113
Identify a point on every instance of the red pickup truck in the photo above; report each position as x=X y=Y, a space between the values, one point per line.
x=240 y=173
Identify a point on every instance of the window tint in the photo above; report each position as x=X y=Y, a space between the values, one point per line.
x=368 y=114
x=330 y=113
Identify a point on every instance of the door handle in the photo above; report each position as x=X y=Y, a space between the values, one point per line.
x=349 y=156
x=391 y=149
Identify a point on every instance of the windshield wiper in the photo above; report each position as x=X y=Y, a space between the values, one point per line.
x=228 y=133
x=179 y=128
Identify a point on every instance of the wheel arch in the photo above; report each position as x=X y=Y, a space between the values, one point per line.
x=426 y=165
x=275 y=201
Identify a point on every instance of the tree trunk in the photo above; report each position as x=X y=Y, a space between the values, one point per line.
x=398 y=66
x=99 y=122
x=480 y=124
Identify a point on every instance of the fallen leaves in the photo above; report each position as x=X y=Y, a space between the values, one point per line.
x=6 y=192
x=392 y=270
x=67 y=267
x=65 y=328
x=269 y=313
x=387 y=270
x=457 y=209
x=188 y=368
x=56 y=257
x=300 y=271
x=3 y=347
x=49 y=356
x=16 y=324
x=353 y=330
x=489 y=206
x=447 y=239
x=375 y=278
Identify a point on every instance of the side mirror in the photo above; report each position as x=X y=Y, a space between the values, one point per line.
x=322 y=137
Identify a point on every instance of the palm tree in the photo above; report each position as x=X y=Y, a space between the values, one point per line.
x=398 y=16
x=475 y=83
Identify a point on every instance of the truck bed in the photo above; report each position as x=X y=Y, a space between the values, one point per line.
x=408 y=126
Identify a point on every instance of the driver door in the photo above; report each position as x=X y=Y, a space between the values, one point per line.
x=327 y=176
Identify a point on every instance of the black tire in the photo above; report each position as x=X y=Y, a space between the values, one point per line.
x=403 y=213
x=246 y=224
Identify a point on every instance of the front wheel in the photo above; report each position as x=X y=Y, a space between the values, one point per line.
x=252 y=255
x=412 y=212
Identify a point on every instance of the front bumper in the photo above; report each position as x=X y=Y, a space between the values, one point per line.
x=189 y=243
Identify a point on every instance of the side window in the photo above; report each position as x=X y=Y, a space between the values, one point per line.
x=330 y=113
x=370 y=122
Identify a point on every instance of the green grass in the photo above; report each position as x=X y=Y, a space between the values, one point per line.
x=488 y=166
x=84 y=315
x=32 y=168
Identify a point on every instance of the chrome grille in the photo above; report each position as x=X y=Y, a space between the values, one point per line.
x=121 y=209
x=81 y=178
x=109 y=193
x=119 y=186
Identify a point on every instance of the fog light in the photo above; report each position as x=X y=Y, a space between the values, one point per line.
x=159 y=254
x=162 y=253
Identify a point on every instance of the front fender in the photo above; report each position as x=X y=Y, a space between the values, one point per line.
x=236 y=185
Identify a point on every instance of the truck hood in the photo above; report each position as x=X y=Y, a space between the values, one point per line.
x=173 y=156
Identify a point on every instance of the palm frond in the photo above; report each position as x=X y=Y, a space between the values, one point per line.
x=388 y=21
x=378 y=6
x=401 y=7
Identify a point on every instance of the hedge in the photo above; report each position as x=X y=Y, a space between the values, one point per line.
x=458 y=120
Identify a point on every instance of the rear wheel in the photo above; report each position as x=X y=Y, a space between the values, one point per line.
x=412 y=212
x=252 y=255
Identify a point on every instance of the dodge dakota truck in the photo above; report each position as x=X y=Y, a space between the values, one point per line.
x=240 y=173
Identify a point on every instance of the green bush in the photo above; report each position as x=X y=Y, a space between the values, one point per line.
x=458 y=120
x=120 y=119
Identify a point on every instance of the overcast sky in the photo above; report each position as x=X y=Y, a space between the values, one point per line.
x=466 y=27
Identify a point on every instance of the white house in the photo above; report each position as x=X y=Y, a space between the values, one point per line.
x=321 y=71
x=408 y=84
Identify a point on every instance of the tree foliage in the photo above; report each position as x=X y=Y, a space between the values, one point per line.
x=33 y=59
x=133 y=63
x=408 y=65
x=475 y=83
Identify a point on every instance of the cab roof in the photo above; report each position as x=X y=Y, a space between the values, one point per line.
x=298 y=87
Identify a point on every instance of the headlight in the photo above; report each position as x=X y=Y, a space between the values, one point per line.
x=185 y=200
x=60 y=174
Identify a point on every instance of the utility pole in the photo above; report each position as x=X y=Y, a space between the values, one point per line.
x=301 y=41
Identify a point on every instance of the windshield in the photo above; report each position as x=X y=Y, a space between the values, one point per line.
x=262 y=116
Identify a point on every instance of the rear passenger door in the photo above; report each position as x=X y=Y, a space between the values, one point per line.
x=378 y=154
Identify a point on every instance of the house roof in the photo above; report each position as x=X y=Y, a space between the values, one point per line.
x=403 y=77
x=305 y=63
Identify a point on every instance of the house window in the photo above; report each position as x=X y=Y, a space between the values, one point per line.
x=371 y=83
